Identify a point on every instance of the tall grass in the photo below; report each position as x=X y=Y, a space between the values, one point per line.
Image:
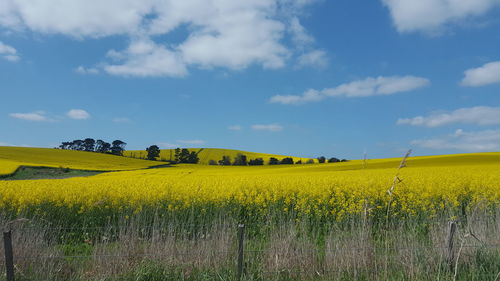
x=293 y=250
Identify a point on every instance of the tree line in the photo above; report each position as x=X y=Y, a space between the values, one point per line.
x=242 y=160
x=180 y=155
x=117 y=147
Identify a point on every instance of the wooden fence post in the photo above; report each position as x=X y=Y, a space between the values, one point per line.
x=241 y=240
x=9 y=256
x=452 y=228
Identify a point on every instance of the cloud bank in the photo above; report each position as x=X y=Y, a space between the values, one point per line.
x=479 y=141
x=370 y=86
x=432 y=16
x=478 y=115
x=220 y=33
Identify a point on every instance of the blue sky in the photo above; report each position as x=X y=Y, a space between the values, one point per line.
x=296 y=77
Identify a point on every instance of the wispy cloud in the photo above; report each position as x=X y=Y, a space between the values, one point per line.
x=234 y=128
x=268 y=127
x=8 y=52
x=487 y=74
x=488 y=140
x=192 y=142
x=478 y=115
x=37 y=116
x=180 y=143
x=367 y=87
x=315 y=58
x=85 y=70
x=167 y=145
x=78 y=114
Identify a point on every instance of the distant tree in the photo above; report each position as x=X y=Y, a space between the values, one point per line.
x=65 y=145
x=88 y=144
x=273 y=161
x=299 y=162
x=118 y=147
x=333 y=160
x=256 y=162
x=212 y=162
x=105 y=148
x=153 y=152
x=184 y=156
x=344 y=160
x=321 y=159
x=287 y=160
x=225 y=161
x=177 y=155
x=193 y=158
x=102 y=146
x=310 y=161
x=240 y=160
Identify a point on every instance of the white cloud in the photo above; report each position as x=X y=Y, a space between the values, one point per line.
x=299 y=33
x=8 y=52
x=360 y=88
x=488 y=140
x=317 y=58
x=78 y=114
x=487 y=74
x=267 y=127
x=37 y=116
x=145 y=58
x=191 y=142
x=234 y=128
x=84 y=70
x=433 y=15
x=221 y=33
x=478 y=115
x=167 y=145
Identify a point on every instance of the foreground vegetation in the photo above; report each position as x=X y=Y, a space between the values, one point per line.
x=356 y=220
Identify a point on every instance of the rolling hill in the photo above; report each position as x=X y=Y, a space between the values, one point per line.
x=207 y=154
x=13 y=157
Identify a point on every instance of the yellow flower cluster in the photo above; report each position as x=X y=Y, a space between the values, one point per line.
x=337 y=190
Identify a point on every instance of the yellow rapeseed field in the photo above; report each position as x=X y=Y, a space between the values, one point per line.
x=431 y=186
x=13 y=157
x=215 y=154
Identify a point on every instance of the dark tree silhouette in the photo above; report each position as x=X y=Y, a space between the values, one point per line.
x=76 y=145
x=321 y=159
x=193 y=158
x=118 y=147
x=212 y=162
x=177 y=155
x=65 y=145
x=333 y=160
x=273 y=161
x=298 y=162
x=310 y=161
x=256 y=162
x=240 y=160
x=88 y=144
x=225 y=161
x=184 y=156
x=153 y=152
x=287 y=160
